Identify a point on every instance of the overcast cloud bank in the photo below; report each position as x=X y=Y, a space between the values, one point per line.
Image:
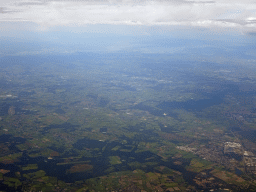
x=235 y=14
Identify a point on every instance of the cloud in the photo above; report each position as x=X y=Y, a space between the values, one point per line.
x=235 y=14
x=6 y=10
x=3 y=10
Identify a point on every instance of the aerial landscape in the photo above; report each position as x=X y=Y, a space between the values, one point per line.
x=132 y=98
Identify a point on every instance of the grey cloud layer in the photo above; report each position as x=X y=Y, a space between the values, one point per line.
x=219 y=13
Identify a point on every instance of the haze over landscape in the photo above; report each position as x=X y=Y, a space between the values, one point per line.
x=127 y=95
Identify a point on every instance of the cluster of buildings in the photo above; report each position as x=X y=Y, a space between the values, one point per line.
x=249 y=162
x=248 y=157
x=232 y=147
x=186 y=148
x=232 y=151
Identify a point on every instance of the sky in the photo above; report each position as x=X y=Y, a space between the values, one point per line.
x=123 y=23
x=240 y=14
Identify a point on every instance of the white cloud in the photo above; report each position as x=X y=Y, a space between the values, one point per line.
x=236 y=14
